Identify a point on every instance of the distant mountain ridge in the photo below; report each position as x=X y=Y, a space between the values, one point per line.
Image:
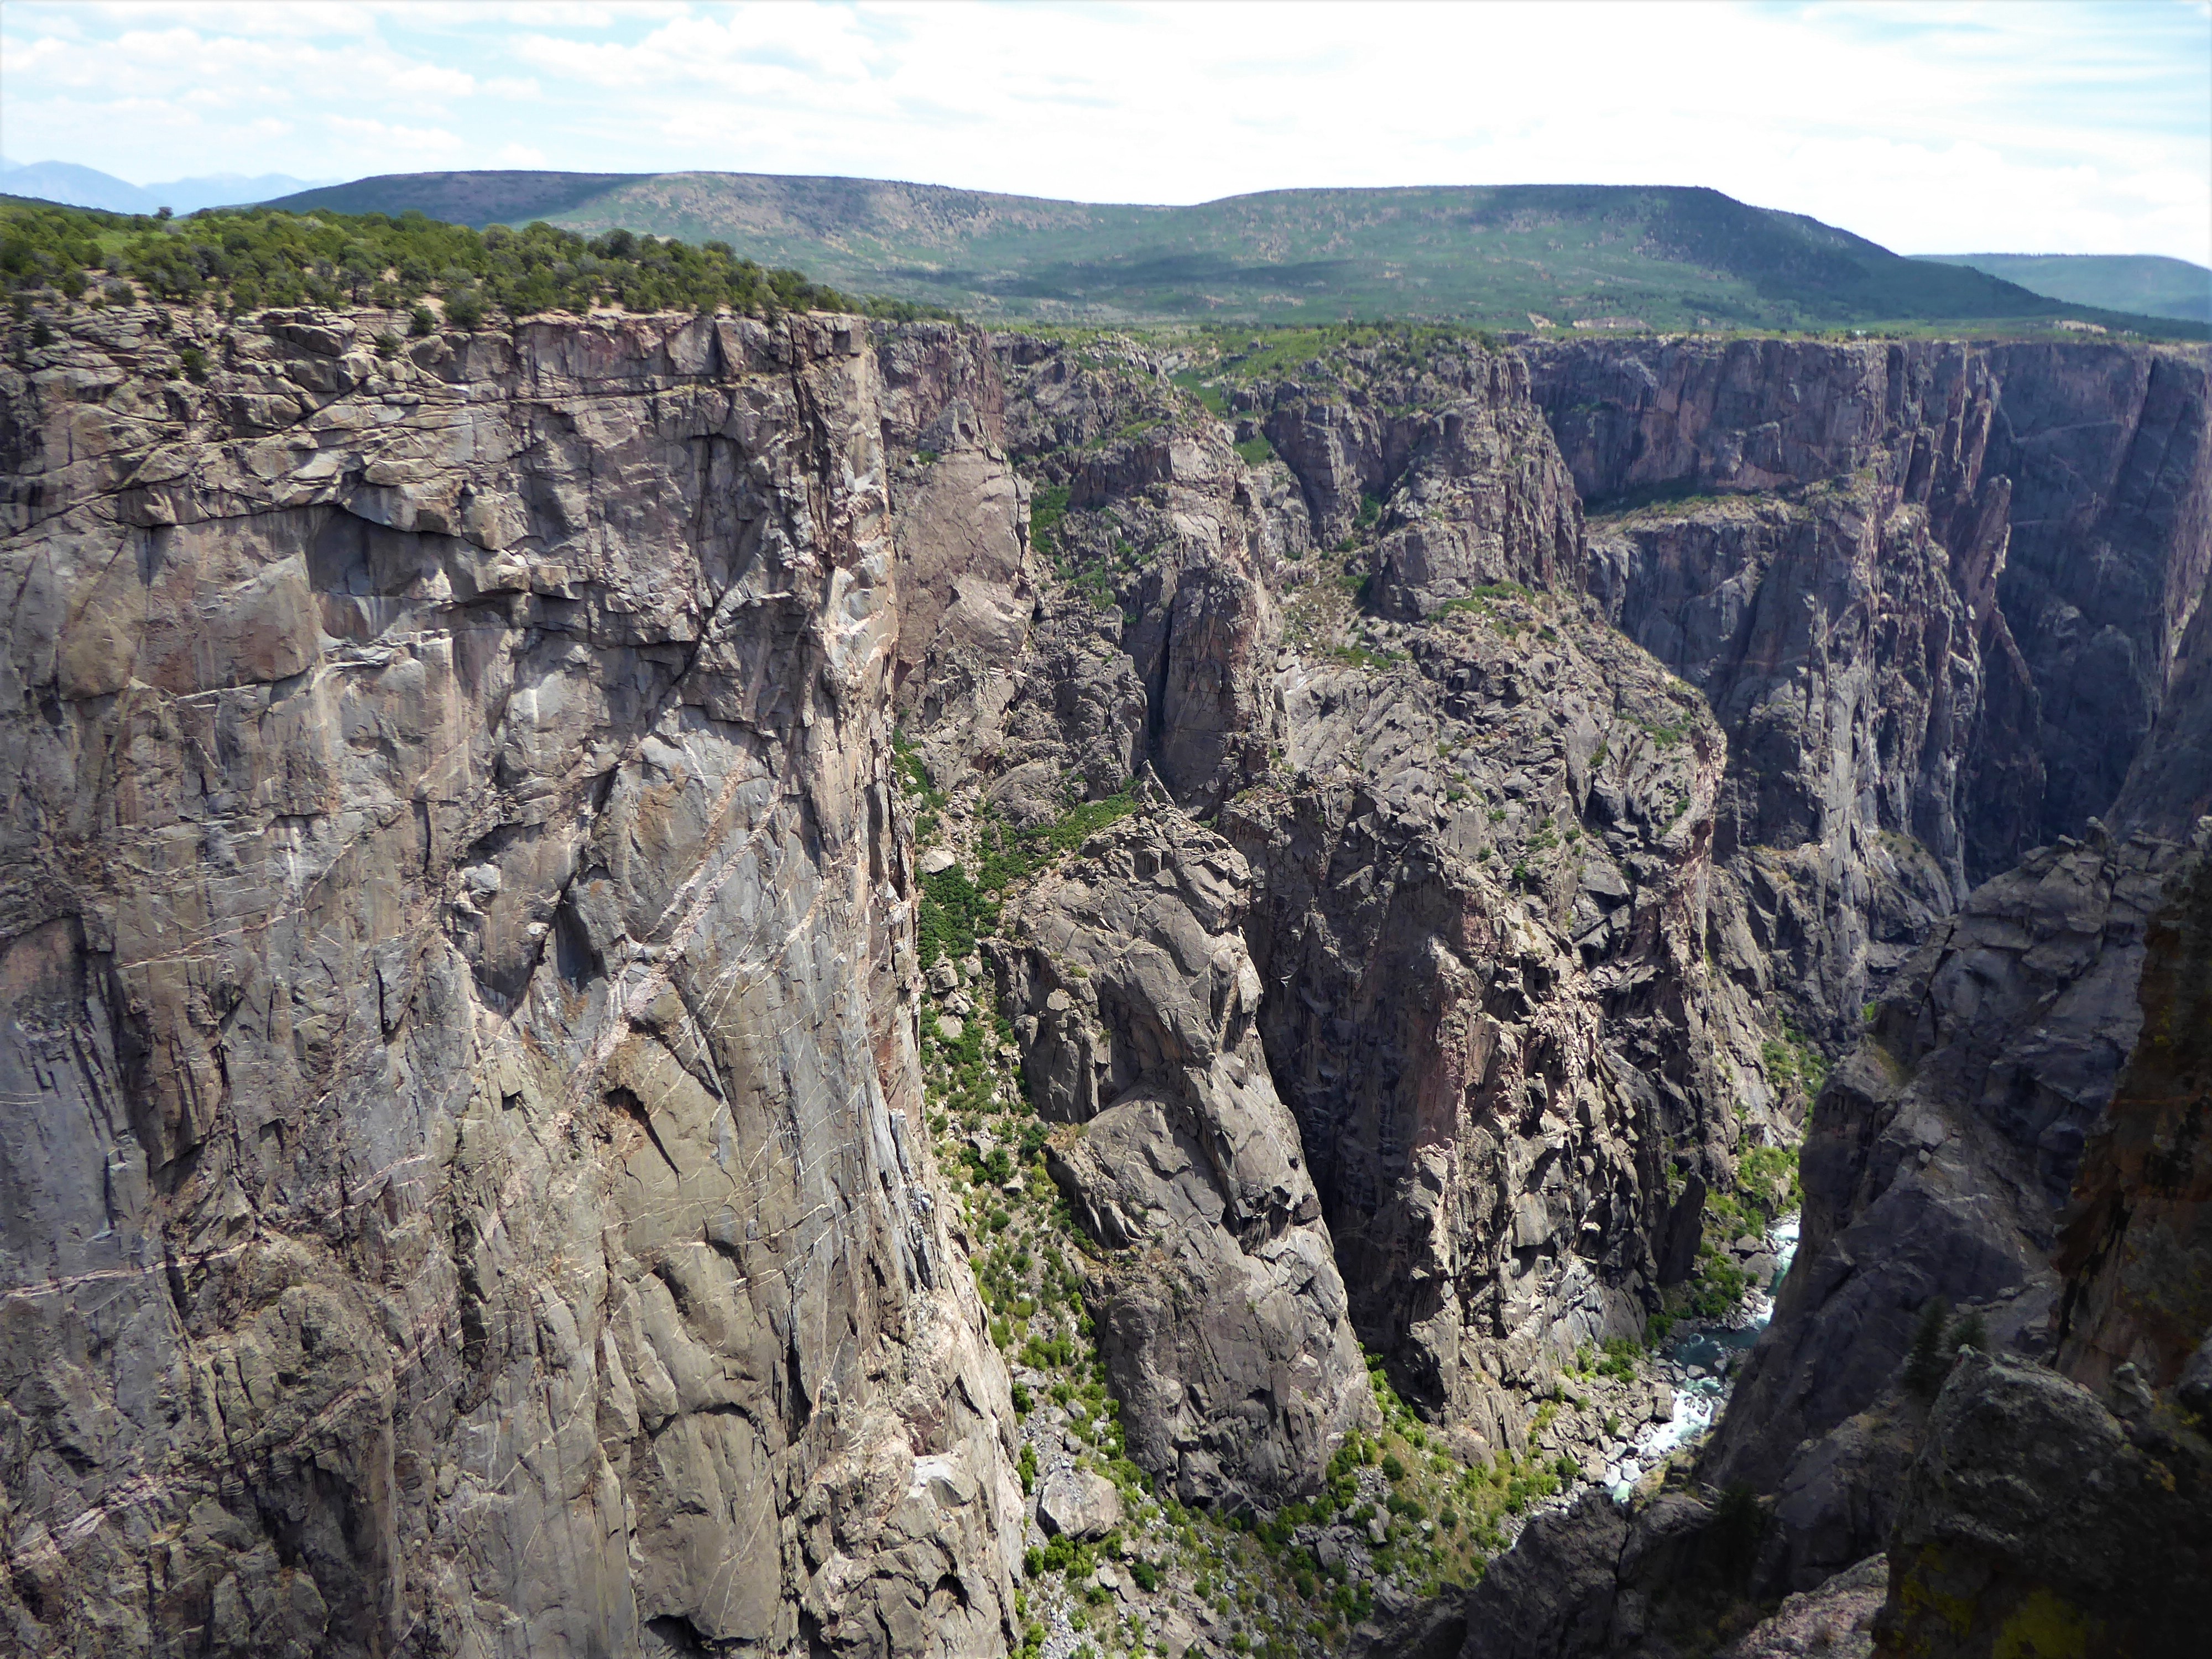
x=1507 y=256
x=81 y=186
x=2147 y=282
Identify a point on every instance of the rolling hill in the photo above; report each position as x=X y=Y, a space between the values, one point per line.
x=2146 y=282
x=1595 y=257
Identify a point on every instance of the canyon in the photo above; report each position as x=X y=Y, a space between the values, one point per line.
x=811 y=985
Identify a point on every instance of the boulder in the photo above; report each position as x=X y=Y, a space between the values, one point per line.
x=1078 y=1504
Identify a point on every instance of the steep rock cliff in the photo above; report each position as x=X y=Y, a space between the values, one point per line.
x=1841 y=659
x=1222 y=1314
x=460 y=948
x=1478 y=844
x=1941 y=1153
x=1444 y=454
x=459 y=1172
x=2071 y=486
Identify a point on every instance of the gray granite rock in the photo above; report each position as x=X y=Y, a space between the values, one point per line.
x=459 y=1192
x=1221 y=1315
x=1078 y=1504
x=2035 y=1515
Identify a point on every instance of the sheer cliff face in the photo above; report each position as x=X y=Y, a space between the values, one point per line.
x=457 y=1174
x=1938 y=1162
x=1900 y=566
x=2070 y=488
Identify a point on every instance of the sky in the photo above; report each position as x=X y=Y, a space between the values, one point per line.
x=1931 y=127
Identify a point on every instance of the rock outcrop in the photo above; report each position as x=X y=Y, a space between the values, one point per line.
x=1479 y=834
x=1846 y=668
x=1221 y=1315
x=2039 y=1521
x=1445 y=456
x=1599 y=1579
x=2136 y=1250
x=1480 y=943
x=1941 y=1153
x=459 y=1168
x=2071 y=487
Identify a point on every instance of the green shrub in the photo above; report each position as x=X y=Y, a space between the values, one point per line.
x=1047 y=507
x=1969 y=1331
x=261 y=254
x=1768 y=1175
x=466 y=310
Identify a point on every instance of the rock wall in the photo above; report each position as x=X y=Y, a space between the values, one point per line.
x=459 y=1173
x=1222 y=1314
x=1939 y=1160
x=2135 y=1247
x=2075 y=1509
x=1443 y=454
x=2039 y=1520
x=1844 y=665
x=466 y=1190
x=1939 y=1156
x=2070 y=485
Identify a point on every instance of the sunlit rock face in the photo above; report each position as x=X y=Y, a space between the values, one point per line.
x=463 y=1187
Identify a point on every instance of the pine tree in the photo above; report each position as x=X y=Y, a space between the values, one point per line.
x=1927 y=1361
x=1969 y=1330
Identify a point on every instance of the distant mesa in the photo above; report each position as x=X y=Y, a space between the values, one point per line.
x=1597 y=259
x=1607 y=258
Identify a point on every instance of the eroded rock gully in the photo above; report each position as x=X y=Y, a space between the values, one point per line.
x=483 y=1067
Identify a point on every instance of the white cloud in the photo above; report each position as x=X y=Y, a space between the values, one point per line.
x=434 y=81
x=379 y=135
x=1941 y=126
x=521 y=155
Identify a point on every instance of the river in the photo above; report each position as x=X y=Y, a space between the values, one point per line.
x=1699 y=1360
